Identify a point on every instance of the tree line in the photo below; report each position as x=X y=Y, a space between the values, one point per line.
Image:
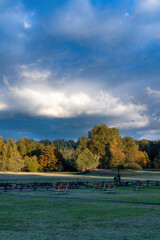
x=103 y=148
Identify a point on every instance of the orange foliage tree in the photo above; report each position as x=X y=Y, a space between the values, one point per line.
x=49 y=158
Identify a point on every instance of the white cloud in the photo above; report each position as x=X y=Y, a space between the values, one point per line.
x=53 y=103
x=5 y=80
x=153 y=93
x=148 y=5
x=151 y=137
x=50 y=103
x=36 y=95
x=132 y=119
x=3 y=106
x=3 y=103
x=81 y=20
x=27 y=25
x=44 y=100
x=33 y=75
x=151 y=131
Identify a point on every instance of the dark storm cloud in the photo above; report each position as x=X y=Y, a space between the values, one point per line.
x=67 y=62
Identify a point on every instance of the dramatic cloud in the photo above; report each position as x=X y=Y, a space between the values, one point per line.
x=45 y=100
x=59 y=104
x=79 y=63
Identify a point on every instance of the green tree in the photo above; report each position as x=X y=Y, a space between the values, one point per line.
x=31 y=164
x=62 y=144
x=82 y=144
x=99 y=138
x=17 y=161
x=28 y=147
x=22 y=146
x=69 y=162
x=4 y=157
x=156 y=162
x=12 y=160
x=86 y=161
x=1 y=156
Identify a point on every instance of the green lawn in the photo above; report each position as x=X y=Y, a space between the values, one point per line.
x=124 y=194
x=58 y=219
x=23 y=218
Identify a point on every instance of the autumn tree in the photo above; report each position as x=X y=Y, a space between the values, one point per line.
x=142 y=159
x=1 y=156
x=22 y=146
x=11 y=158
x=4 y=157
x=100 y=138
x=17 y=161
x=135 y=159
x=49 y=158
x=118 y=159
x=28 y=147
x=117 y=156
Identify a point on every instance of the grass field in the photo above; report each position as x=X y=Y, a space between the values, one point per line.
x=34 y=218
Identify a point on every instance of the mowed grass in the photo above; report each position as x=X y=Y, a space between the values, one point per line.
x=34 y=218
x=47 y=219
x=96 y=175
x=150 y=194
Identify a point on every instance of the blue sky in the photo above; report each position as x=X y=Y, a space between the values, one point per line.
x=67 y=65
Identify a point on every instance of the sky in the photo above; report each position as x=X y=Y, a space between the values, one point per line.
x=68 y=65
